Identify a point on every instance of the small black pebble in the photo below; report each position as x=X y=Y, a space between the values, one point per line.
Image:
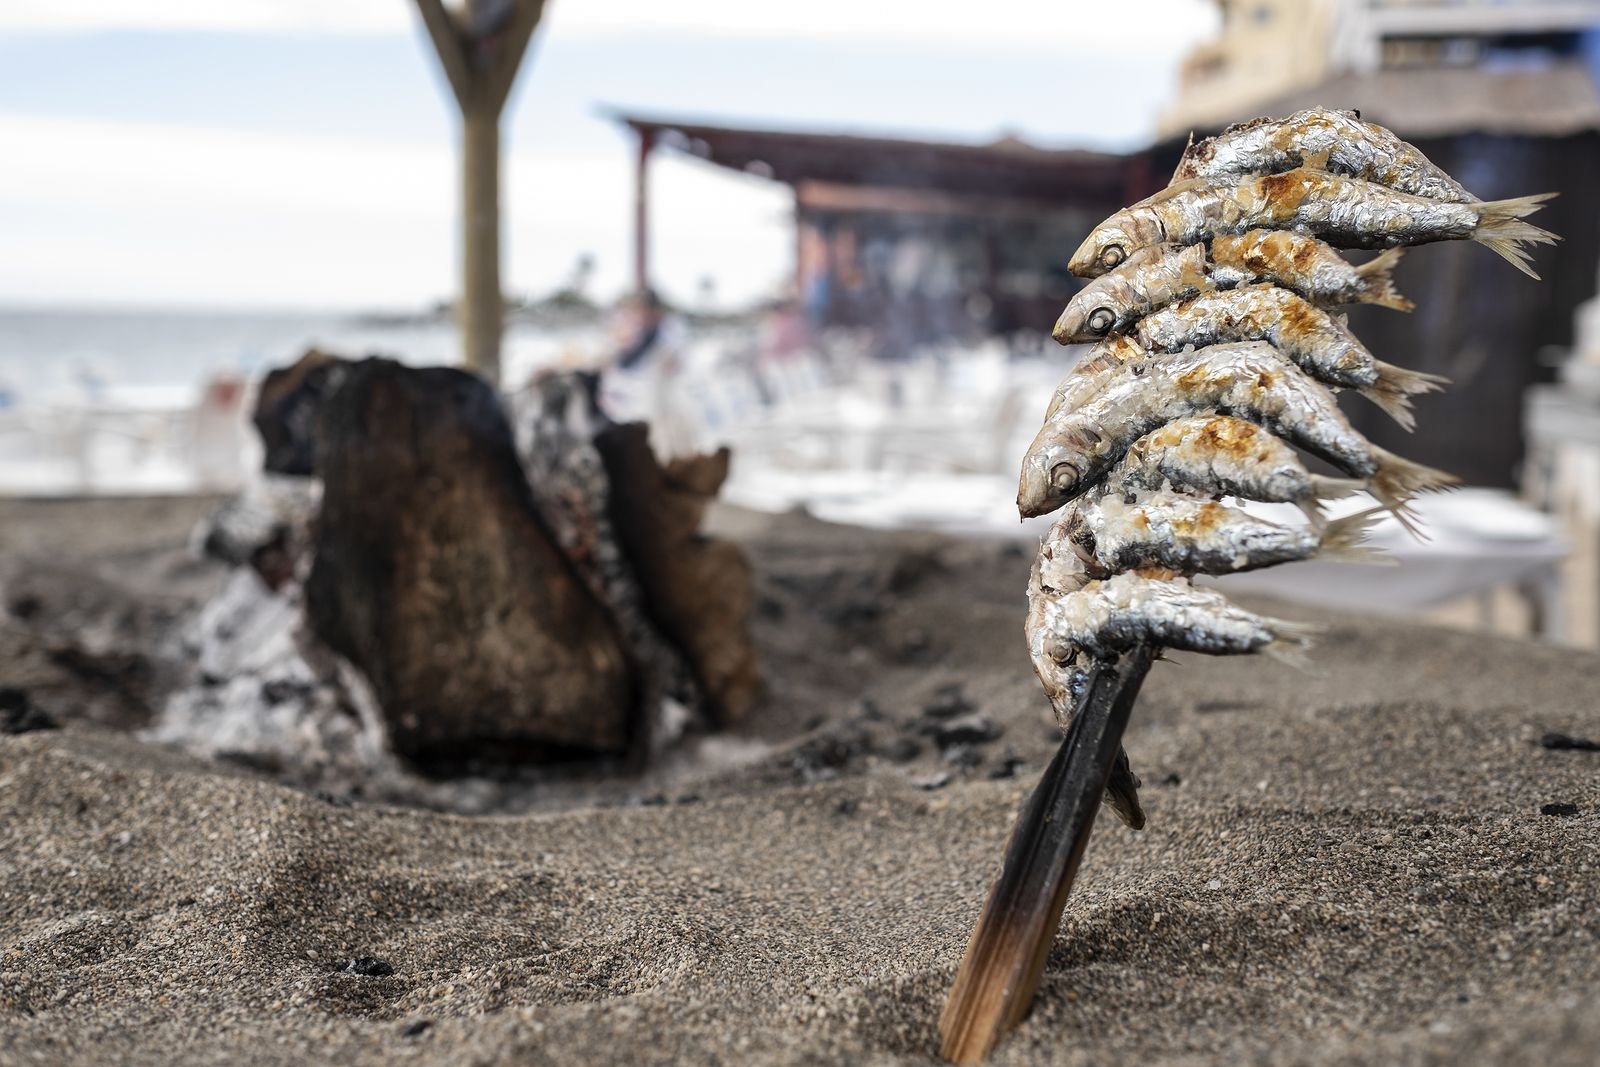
x=1008 y=768
x=20 y=715
x=845 y=807
x=418 y=1028
x=689 y=798
x=1559 y=809
x=901 y=749
x=963 y=755
x=1172 y=779
x=948 y=702
x=654 y=800
x=1565 y=742
x=368 y=967
x=970 y=729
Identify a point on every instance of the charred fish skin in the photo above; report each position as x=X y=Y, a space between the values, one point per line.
x=1308 y=336
x=1179 y=533
x=1105 y=617
x=1081 y=381
x=1345 y=212
x=1336 y=141
x=1306 y=265
x=1155 y=277
x=1220 y=455
x=1078 y=445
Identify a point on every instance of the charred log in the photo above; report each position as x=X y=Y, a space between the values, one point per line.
x=288 y=405
x=559 y=424
x=435 y=574
x=699 y=590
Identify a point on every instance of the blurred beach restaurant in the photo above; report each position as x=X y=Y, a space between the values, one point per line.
x=899 y=379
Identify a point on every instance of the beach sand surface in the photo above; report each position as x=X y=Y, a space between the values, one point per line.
x=1350 y=866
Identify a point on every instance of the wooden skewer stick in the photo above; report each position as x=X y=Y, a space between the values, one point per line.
x=1005 y=958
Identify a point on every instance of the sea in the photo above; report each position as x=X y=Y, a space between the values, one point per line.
x=91 y=357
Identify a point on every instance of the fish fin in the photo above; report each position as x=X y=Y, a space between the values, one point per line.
x=1122 y=792
x=1290 y=642
x=1377 y=281
x=1500 y=227
x=1179 y=172
x=1344 y=540
x=1396 y=386
x=1192 y=268
x=1398 y=480
x=1325 y=488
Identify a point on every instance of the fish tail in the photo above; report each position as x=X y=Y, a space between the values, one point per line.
x=1377 y=281
x=1290 y=642
x=1398 y=480
x=1122 y=792
x=1311 y=507
x=1344 y=540
x=1396 y=386
x=1500 y=227
x=1325 y=488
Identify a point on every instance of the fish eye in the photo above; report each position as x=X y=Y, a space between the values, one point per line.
x=1112 y=255
x=1101 y=321
x=1063 y=476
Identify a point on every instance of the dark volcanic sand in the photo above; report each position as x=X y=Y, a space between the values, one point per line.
x=1348 y=867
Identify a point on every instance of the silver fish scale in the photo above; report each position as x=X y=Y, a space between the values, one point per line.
x=1247 y=379
x=1184 y=534
x=1180 y=456
x=1326 y=349
x=1107 y=616
x=1359 y=149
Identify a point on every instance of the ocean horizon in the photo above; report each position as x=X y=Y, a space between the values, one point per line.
x=70 y=356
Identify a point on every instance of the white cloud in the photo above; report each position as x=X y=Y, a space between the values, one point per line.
x=1036 y=24
x=122 y=212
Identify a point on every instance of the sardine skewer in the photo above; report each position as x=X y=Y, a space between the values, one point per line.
x=1127 y=433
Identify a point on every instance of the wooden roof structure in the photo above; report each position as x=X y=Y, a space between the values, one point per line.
x=1008 y=167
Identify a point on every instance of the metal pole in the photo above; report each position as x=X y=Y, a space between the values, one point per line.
x=641 y=212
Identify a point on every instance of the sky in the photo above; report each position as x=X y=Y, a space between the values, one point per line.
x=301 y=153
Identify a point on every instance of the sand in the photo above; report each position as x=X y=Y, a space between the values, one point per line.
x=1345 y=867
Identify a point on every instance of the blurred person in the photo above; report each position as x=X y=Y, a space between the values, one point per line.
x=782 y=347
x=640 y=379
